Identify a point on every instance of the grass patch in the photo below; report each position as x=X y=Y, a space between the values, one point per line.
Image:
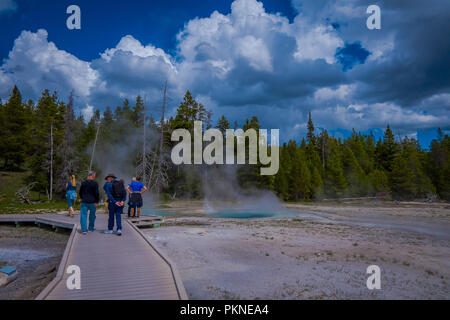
x=11 y=182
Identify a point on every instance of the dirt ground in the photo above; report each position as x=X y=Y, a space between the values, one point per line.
x=326 y=258
x=36 y=253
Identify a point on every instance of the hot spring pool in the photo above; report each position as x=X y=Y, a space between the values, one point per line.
x=228 y=213
x=243 y=214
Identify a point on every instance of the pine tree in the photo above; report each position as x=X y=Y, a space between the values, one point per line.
x=402 y=179
x=439 y=165
x=408 y=179
x=3 y=133
x=107 y=124
x=300 y=177
x=378 y=183
x=310 y=137
x=127 y=113
x=335 y=183
x=315 y=167
x=67 y=149
x=118 y=113
x=15 y=140
x=317 y=184
x=49 y=114
x=223 y=124
x=188 y=112
x=248 y=174
x=282 y=177
x=137 y=113
x=107 y=115
x=387 y=150
x=358 y=145
x=416 y=160
x=356 y=179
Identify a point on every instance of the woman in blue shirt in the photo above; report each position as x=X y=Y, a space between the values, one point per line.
x=136 y=189
x=71 y=195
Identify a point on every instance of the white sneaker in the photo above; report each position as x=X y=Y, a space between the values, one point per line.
x=108 y=232
x=119 y=232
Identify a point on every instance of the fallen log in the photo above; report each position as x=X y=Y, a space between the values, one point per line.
x=23 y=193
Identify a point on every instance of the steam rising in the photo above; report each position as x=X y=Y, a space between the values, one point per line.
x=219 y=186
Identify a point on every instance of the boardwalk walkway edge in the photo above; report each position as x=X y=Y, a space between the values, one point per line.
x=178 y=283
x=62 y=266
x=61 y=222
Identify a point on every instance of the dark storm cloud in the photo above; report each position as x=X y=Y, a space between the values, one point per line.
x=250 y=62
x=418 y=66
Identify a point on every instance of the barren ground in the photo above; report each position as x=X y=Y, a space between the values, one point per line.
x=36 y=253
x=298 y=258
x=288 y=258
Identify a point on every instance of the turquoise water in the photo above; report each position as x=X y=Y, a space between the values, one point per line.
x=248 y=214
x=227 y=213
x=243 y=214
x=261 y=214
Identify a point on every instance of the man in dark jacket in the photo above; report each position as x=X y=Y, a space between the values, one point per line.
x=115 y=190
x=89 y=199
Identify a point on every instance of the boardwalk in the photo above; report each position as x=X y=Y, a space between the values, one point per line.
x=112 y=267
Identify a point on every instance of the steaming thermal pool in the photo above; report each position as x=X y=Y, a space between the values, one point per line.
x=250 y=214
x=240 y=213
x=243 y=212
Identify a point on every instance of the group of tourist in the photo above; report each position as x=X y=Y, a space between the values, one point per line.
x=116 y=194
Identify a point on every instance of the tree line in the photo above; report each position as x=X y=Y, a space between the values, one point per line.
x=359 y=166
x=48 y=139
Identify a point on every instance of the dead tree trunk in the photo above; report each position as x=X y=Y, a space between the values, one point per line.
x=93 y=149
x=323 y=149
x=144 y=154
x=66 y=149
x=161 y=141
x=51 y=162
x=24 y=193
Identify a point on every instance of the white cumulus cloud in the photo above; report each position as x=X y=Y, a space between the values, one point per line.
x=34 y=64
x=247 y=62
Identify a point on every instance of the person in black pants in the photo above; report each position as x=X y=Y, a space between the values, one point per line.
x=136 y=189
x=129 y=198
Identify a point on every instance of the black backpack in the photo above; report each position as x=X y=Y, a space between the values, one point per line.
x=118 y=190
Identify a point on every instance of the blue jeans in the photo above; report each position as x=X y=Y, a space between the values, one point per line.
x=83 y=216
x=69 y=201
x=69 y=195
x=114 y=211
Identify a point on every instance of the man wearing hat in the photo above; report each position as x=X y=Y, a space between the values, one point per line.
x=117 y=195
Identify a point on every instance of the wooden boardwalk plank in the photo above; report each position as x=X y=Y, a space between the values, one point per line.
x=112 y=267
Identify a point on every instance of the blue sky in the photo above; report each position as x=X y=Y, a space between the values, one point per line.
x=104 y=22
x=277 y=60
